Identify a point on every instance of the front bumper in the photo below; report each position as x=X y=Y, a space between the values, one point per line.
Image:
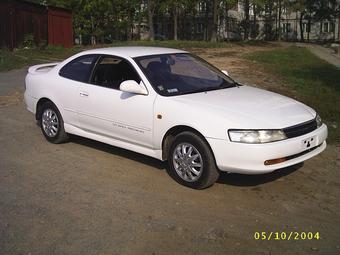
x=250 y=158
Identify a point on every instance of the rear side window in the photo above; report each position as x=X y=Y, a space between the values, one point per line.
x=79 y=69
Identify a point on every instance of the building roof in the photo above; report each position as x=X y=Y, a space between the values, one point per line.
x=133 y=51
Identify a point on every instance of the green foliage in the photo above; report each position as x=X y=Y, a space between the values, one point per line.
x=25 y=57
x=8 y=60
x=115 y=19
x=178 y=44
x=310 y=79
x=28 y=41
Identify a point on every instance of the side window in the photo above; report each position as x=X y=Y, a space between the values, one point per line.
x=79 y=69
x=112 y=71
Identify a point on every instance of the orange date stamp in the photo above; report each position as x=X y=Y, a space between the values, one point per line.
x=283 y=235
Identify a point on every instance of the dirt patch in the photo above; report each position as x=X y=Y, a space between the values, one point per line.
x=245 y=71
x=12 y=99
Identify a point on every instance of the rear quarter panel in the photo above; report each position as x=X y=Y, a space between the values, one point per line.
x=61 y=91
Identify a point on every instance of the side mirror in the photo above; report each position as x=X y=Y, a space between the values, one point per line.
x=132 y=86
x=225 y=72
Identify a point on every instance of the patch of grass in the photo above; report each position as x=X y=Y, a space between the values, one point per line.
x=312 y=80
x=9 y=61
x=25 y=57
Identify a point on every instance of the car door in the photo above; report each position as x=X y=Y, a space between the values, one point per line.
x=70 y=77
x=105 y=110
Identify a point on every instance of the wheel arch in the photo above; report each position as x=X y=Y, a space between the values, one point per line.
x=40 y=103
x=170 y=135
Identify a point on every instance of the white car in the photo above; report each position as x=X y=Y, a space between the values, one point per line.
x=174 y=106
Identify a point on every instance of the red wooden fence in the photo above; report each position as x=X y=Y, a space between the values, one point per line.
x=47 y=24
x=60 y=30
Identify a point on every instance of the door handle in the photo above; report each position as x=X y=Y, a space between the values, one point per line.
x=83 y=94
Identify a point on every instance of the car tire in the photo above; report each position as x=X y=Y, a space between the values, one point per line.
x=191 y=161
x=52 y=124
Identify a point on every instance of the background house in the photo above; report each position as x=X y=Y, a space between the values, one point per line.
x=46 y=25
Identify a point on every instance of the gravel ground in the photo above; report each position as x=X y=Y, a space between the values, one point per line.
x=85 y=197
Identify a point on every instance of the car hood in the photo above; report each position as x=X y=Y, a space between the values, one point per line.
x=249 y=107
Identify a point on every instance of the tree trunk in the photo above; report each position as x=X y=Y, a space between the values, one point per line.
x=93 y=37
x=182 y=14
x=139 y=19
x=175 y=22
x=215 y=20
x=339 y=26
x=270 y=21
x=227 y=19
x=129 y=28
x=334 y=29
x=206 y=19
x=193 y=23
x=301 y=26
x=295 y=27
x=276 y=19
x=308 y=28
x=151 y=9
x=279 y=22
x=255 y=30
x=246 y=26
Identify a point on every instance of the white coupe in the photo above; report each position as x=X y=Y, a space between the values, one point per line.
x=174 y=106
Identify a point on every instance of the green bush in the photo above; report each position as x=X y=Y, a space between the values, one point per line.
x=28 y=41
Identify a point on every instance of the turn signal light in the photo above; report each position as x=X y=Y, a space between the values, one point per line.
x=274 y=161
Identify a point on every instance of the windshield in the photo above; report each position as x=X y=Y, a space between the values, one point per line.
x=183 y=73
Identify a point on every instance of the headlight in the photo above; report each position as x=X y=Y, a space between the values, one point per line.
x=318 y=121
x=256 y=136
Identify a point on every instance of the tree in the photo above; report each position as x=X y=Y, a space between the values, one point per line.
x=190 y=7
x=139 y=18
x=215 y=20
x=151 y=6
x=228 y=5
x=279 y=19
x=246 y=4
x=175 y=6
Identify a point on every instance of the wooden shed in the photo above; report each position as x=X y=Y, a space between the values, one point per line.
x=47 y=24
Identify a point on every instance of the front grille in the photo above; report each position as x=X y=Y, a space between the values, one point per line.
x=300 y=129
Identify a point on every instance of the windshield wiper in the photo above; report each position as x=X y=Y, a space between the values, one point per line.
x=207 y=89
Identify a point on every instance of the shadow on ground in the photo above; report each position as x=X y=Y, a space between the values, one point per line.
x=119 y=152
x=254 y=180
x=225 y=178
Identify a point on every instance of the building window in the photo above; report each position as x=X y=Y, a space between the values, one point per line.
x=199 y=28
x=286 y=27
x=201 y=6
x=325 y=27
x=306 y=28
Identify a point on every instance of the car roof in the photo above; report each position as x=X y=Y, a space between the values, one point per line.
x=133 y=51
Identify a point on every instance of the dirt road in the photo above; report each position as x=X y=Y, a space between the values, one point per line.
x=85 y=197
